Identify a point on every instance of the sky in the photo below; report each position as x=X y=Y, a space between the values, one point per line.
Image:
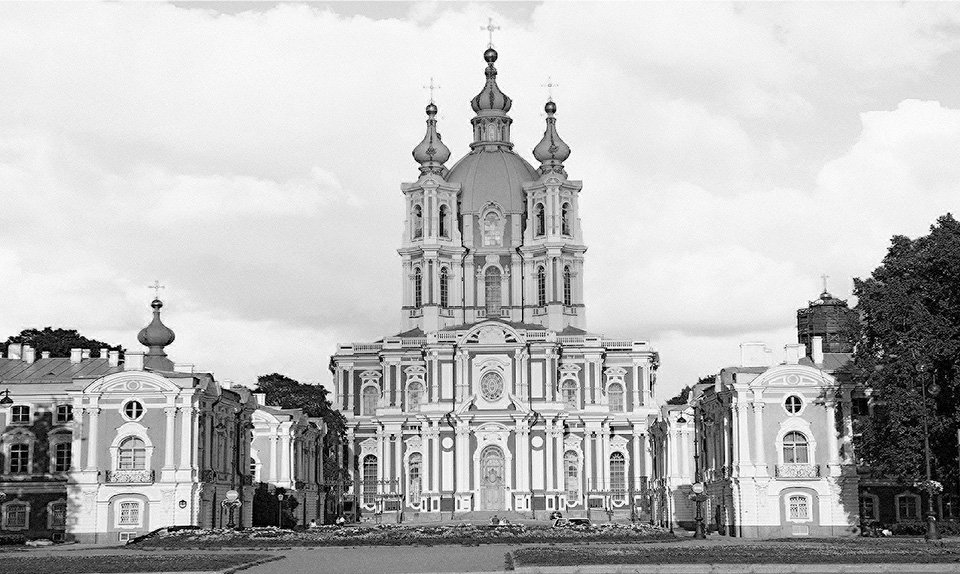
x=249 y=156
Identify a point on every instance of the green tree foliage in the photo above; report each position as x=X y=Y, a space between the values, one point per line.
x=288 y=393
x=681 y=397
x=59 y=341
x=910 y=336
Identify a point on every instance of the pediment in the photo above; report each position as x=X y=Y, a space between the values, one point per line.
x=134 y=382
x=492 y=333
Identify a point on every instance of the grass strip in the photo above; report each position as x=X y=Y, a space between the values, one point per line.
x=125 y=563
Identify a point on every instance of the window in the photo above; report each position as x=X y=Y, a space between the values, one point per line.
x=414 y=396
x=541 y=287
x=20 y=415
x=492 y=291
x=798 y=507
x=369 y=479
x=20 y=459
x=61 y=457
x=57 y=515
x=950 y=506
x=539 y=220
x=618 y=477
x=795 y=448
x=16 y=516
x=129 y=514
x=565 y=219
x=869 y=509
x=371 y=396
x=567 y=286
x=861 y=406
x=417 y=288
x=568 y=391
x=414 y=472
x=64 y=413
x=793 y=404
x=133 y=410
x=615 y=397
x=417 y=222
x=908 y=507
x=444 y=288
x=491 y=386
x=133 y=454
x=254 y=470
x=571 y=476
x=444 y=221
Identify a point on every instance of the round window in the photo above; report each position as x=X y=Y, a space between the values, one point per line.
x=793 y=404
x=133 y=410
x=491 y=386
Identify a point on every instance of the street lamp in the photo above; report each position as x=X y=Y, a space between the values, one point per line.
x=232 y=502
x=932 y=531
x=279 y=511
x=6 y=400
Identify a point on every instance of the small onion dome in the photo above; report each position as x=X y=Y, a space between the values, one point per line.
x=156 y=335
x=490 y=97
x=431 y=153
x=551 y=151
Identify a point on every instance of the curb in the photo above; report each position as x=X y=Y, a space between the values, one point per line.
x=884 y=568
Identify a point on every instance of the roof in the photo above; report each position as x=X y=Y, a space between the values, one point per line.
x=831 y=361
x=492 y=175
x=54 y=370
x=726 y=374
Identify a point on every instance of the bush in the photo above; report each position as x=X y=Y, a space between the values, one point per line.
x=12 y=539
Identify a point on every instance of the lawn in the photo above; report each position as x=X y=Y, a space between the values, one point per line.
x=120 y=563
x=402 y=535
x=820 y=551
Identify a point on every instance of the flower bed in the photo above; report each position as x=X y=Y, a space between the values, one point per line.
x=389 y=535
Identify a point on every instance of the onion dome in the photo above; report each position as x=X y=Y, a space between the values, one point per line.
x=551 y=151
x=156 y=336
x=490 y=97
x=431 y=153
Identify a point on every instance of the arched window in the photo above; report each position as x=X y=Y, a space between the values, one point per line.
x=417 y=222
x=492 y=291
x=795 y=448
x=444 y=221
x=568 y=390
x=798 y=506
x=254 y=470
x=368 y=404
x=417 y=288
x=618 y=476
x=615 y=397
x=541 y=287
x=567 y=286
x=369 y=479
x=132 y=454
x=539 y=224
x=414 y=396
x=20 y=459
x=444 y=288
x=571 y=476
x=565 y=219
x=414 y=473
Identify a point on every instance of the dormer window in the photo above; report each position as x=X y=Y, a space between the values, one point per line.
x=20 y=414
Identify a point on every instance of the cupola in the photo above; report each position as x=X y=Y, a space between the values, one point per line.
x=491 y=125
x=551 y=151
x=431 y=153
x=155 y=337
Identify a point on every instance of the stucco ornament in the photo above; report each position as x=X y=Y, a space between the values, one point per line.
x=491 y=386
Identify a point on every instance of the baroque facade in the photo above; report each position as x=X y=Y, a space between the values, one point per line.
x=494 y=397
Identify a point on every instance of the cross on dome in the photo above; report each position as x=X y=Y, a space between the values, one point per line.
x=431 y=87
x=824 y=277
x=156 y=288
x=490 y=29
x=550 y=85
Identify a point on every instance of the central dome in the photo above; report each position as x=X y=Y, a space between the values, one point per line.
x=492 y=175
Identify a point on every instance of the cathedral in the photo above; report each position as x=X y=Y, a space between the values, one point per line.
x=494 y=396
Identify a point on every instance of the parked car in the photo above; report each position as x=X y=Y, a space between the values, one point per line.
x=567 y=522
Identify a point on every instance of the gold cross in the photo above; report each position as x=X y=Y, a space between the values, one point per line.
x=431 y=87
x=824 y=277
x=549 y=86
x=490 y=28
x=156 y=288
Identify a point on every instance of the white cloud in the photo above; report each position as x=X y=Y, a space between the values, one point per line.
x=730 y=153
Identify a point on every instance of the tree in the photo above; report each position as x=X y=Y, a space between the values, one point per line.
x=288 y=393
x=910 y=336
x=60 y=341
x=684 y=395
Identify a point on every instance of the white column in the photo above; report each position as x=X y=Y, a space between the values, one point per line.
x=274 y=455
x=398 y=462
x=168 y=446
x=833 y=454
x=684 y=437
x=94 y=416
x=760 y=458
x=434 y=376
x=588 y=460
x=350 y=389
x=381 y=460
x=637 y=386
x=523 y=463
x=637 y=470
x=551 y=461
x=743 y=433
x=187 y=435
x=605 y=456
x=435 y=457
x=77 y=439
x=558 y=458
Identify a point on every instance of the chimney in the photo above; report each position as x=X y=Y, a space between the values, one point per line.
x=45 y=355
x=29 y=354
x=133 y=361
x=754 y=355
x=76 y=355
x=793 y=353
x=114 y=358
x=13 y=351
x=85 y=354
x=816 y=350
x=261 y=399
x=104 y=352
x=184 y=367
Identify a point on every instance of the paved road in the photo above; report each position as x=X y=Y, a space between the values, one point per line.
x=394 y=559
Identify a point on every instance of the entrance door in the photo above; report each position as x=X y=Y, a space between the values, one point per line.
x=491 y=479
